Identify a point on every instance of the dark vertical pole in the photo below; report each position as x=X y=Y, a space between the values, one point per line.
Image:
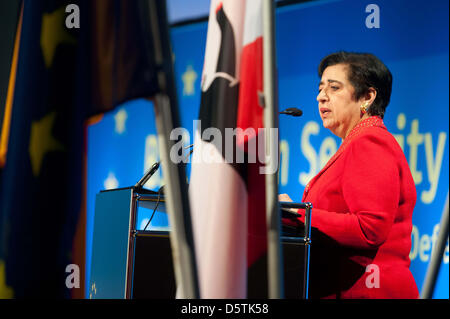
x=167 y=118
x=274 y=252
x=436 y=257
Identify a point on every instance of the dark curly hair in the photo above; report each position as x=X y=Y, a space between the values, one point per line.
x=365 y=71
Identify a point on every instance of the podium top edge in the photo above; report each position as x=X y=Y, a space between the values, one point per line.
x=295 y=205
x=140 y=191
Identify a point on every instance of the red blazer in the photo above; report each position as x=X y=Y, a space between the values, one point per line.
x=363 y=200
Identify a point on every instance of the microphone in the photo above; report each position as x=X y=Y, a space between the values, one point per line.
x=293 y=111
x=152 y=170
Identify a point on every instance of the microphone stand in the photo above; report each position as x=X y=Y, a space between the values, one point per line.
x=152 y=170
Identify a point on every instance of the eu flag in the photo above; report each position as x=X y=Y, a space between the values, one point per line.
x=65 y=73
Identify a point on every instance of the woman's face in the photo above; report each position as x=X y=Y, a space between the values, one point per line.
x=339 y=111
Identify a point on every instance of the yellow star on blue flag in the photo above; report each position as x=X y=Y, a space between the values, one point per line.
x=42 y=141
x=53 y=33
x=6 y=292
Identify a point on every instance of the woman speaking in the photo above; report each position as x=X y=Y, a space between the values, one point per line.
x=364 y=197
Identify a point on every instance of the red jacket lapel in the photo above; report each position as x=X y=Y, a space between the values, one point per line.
x=360 y=127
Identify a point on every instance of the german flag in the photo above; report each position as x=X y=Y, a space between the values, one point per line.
x=227 y=189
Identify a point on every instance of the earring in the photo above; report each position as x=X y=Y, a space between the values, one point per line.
x=364 y=107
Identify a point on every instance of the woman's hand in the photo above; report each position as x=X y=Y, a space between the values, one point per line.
x=284 y=198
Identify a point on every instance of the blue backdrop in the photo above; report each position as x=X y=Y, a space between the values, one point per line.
x=410 y=37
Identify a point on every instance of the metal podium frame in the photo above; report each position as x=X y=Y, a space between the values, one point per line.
x=300 y=240
x=113 y=247
x=155 y=198
x=113 y=268
x=284 y=207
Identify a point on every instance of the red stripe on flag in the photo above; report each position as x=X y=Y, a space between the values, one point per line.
x=219 y=7
x=250 y=115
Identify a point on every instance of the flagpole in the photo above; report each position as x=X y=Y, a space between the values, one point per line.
x=274 y=253
x=167 y=118
x=436 y=256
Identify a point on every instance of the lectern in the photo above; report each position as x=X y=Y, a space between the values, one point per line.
x=119 y=247
x=129 y=261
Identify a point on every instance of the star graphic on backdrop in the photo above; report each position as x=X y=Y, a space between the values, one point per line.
x=42 y=141
x=111 y=182
x=6 y=292
x=189 y=77
x=120 y=118
x=53 y=33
